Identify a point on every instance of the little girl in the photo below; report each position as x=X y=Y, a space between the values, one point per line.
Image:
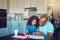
x=32 y=24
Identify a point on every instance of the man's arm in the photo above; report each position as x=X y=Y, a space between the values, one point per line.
x=49 y=34
x=38 y=32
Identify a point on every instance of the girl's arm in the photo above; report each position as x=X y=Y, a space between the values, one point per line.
x=26 y=32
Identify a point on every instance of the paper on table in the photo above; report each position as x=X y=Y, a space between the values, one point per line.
x=29 y=36
x=23 y=37
x=36 y=37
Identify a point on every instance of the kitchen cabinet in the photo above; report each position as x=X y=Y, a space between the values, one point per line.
x=17 y=6
x=15 y=25
x=42 y=6
x=3 y=4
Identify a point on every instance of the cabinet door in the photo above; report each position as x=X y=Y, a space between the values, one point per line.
x=3 y=32
x=27 y=3
x=20 y=6
x=0 y=4
x=15 y=25
x=30 y=3
x=6 y=31
x=33 y=3
x=9 y=27
x=3 y=4
x=22 y=26
x=13 y=6
x=42 y=6
x=16 y=6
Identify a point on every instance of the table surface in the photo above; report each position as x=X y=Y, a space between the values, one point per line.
x=11 y=38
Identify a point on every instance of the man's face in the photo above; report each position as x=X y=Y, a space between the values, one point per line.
x=42 y=21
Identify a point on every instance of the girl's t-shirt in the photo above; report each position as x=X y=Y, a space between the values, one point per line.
x=31 y=29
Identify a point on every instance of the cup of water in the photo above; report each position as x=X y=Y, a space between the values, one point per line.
x=16 y=32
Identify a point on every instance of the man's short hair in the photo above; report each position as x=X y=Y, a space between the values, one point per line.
x=44 y=16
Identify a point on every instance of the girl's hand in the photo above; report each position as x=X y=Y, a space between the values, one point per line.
x=24 y=33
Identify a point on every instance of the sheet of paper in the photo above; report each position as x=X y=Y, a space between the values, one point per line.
x=35 y=37
x=29 y=36
x=23 y=37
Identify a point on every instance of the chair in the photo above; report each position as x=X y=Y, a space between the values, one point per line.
x=57 y=34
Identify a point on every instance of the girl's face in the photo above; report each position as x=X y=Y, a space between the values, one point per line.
x=33 y=22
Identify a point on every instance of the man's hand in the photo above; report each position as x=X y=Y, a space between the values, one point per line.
x=37 y=33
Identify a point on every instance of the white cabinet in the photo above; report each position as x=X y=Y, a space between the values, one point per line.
x=33 y=3
x=42 y=6
x=16 y=6
x=3 y=4
x=30 y=3
x=0 y=4
x=12 y=6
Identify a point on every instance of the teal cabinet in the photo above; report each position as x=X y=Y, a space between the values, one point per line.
x=22 y=26
x=11 y=26
x=15 y=25
x=3 y=32
x=6 y=31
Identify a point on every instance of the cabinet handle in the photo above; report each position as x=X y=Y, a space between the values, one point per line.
x=19 y=25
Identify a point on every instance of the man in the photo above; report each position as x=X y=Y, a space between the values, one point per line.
x=45 y=28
